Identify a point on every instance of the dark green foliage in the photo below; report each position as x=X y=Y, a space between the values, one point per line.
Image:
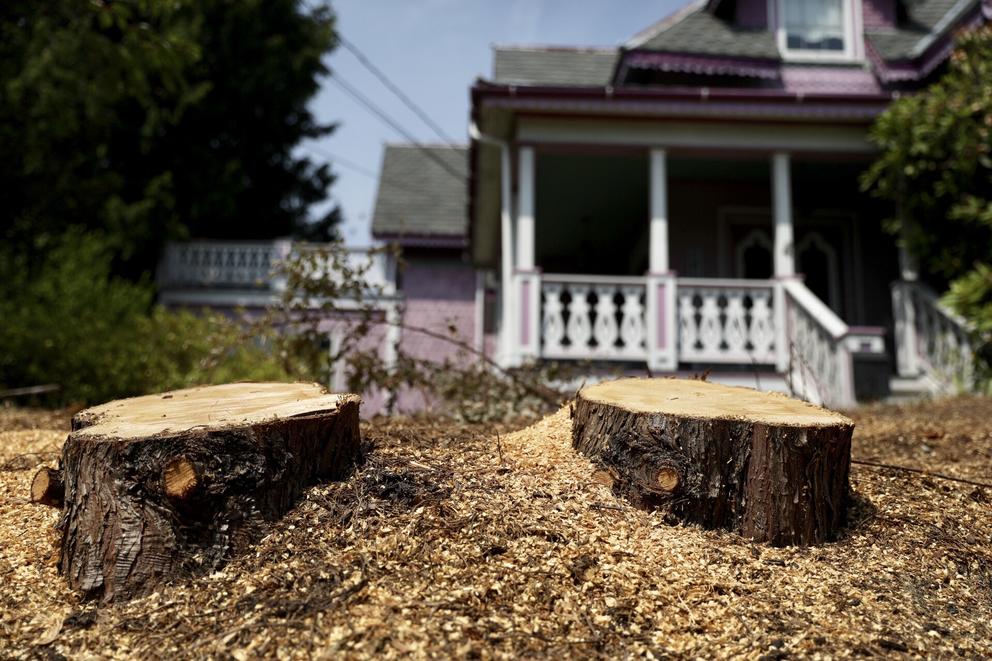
x=153 y=119
x=936 y=167
x=67 y=320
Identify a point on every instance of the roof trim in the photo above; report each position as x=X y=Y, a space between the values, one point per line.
x=703 y=64
x=948 y=19
x=423 y=240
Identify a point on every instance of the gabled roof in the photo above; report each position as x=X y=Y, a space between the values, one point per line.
x=700 y=32
x=926 y=20
x=524 y=65
x=422 y=193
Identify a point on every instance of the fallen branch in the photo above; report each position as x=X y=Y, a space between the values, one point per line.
x=921 y=471
x=30 y=390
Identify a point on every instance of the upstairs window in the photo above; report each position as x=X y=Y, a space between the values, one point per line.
x=819 y=29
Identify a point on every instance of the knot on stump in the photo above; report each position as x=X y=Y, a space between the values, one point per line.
x=179 y=479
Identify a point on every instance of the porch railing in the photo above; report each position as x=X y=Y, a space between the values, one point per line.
x=593 y=317
x=253 y=265
x=774 y=324
x=726 y=321
x=820 y=365
x=221 y=264
x=931 y=341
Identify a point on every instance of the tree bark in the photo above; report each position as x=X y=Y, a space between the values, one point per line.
x=172 y=485
x=771 y=468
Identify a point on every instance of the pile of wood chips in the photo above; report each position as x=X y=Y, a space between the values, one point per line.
x=453 y=540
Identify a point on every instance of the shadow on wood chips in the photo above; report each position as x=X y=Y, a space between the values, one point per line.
x=475 y=541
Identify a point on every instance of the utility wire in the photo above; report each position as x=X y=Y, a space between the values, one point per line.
x=334 y=159
x=353 y=92
x=392 y=87
x=340 y=160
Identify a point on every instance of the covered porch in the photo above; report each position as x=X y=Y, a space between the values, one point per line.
x=690 y=260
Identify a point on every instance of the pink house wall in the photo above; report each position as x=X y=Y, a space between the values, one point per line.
x=439 y=295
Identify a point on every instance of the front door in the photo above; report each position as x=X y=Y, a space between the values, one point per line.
x=819 y=250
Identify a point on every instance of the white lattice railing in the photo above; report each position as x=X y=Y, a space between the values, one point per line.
x=820 y=365
x=593 y=317
x=222 y=264
x=252 y=265
x=726 y=321
x=930 y=339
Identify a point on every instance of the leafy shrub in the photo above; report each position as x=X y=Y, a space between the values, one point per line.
x=68 y=320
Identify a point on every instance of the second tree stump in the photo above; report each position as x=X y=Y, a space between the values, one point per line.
x=771 y=468
x=165 y=486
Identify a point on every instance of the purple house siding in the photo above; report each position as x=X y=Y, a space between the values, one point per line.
x=439 y=296
x=752 y=13
x=879 y=13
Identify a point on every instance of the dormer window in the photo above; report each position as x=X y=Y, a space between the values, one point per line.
x=816 y=29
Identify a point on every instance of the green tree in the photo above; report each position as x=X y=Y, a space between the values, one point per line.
x=152 y=119
x=936 y=168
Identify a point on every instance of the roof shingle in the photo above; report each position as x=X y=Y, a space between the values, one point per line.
x=554 y=66
x=418 y=196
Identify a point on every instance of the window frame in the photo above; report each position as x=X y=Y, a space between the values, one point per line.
x=853 y=36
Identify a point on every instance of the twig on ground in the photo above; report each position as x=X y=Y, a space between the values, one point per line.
x=921 y=471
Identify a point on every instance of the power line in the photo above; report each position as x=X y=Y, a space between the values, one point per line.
x=351 y=91
x=340 y=160
x=360 y=169
x=392 y=87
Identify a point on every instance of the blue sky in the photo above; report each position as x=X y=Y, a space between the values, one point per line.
x=433 y=50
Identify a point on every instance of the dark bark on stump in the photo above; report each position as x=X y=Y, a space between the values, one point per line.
x=768 y=467
x=144 y=508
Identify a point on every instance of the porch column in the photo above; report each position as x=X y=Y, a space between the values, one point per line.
x=507 y=310
x=784 y=261
x=661 y=341
x=527 y=278
x=658 y=256
x=783 y=257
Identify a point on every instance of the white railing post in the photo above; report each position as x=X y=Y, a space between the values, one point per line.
x=661 y=318
x=528 y=314
x=906 y=340
x=282 y=249
x=783 y=340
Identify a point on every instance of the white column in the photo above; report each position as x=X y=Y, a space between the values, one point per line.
x=525 y=210
x=785 y=262
x=527 y=289
x=658 y=255
x=479 y=336
x=661 y=341
x=507 y=310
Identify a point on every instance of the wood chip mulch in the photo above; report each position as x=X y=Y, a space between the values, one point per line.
x=455 y=541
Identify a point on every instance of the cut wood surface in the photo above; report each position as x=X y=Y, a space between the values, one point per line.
x=171 y=485
x=772 y=468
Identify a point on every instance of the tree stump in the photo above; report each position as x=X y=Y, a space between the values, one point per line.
x=771 y=468
x=172 y=485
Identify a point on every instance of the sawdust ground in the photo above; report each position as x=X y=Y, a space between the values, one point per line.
x=449 y=542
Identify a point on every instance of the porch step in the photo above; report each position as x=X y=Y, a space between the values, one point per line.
x=905 y=389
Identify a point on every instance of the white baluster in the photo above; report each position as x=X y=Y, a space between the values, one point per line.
x=579 y=328
x=688 y=331
x=552 y=320
x=710 y=329
x=605 y=330
x=762 y=330
x=632 y=325
x=735 y=327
